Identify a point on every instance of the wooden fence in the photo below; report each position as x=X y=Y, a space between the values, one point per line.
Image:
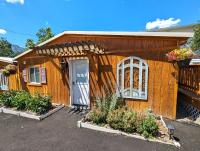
x=189 y=85
x=189 y=78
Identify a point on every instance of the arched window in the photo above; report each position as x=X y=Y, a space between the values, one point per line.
x=132 y=78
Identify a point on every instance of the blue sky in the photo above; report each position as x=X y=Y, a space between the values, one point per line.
x=20 y=19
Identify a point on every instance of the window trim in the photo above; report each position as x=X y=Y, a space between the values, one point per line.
x=34 y=83
x=131 y=65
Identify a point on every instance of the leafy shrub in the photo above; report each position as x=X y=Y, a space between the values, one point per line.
x=97 y=116
x=123 y=119
x=39 y=104
x=7 y=97
x=129 y=121
x=114 y=118
x=108 y=103
x=21 y=100
x=103 y=107
x=148 y=127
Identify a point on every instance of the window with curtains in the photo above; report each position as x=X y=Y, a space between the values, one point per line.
x=132 y=78
x=34 y=75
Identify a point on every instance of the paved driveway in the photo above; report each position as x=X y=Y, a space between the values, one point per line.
x=59 y=133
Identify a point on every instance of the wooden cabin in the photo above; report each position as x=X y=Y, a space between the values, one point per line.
x=76 y=67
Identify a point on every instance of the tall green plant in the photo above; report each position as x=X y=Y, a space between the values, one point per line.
x=103 y=106
x=5 y=48
x=108 y=103
x=194 y=42
x=44 y=34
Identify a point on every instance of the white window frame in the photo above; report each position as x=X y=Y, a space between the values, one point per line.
x=34 y=82
x=120 y=86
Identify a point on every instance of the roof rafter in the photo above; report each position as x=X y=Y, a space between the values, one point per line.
x=70 y=49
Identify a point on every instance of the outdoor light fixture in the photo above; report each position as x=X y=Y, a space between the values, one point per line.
x=170 y=130
x=62 y=65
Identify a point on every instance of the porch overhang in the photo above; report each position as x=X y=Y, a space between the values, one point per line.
x=70 y=49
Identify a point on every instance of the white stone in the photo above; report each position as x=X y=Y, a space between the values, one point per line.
x=10 y=111
x=81 y=124
x=31 y=116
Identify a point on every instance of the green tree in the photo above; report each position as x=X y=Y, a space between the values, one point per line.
x=44 y=34
x=29 y=44
x=6 y=48
x=195 y=41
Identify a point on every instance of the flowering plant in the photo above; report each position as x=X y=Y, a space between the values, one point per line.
x=180 y=54
x=5 y=72
x=11 y=68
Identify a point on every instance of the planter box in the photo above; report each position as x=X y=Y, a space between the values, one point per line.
x=10 y=111
x=31 y=115
x=81 y=124
x=184 y=63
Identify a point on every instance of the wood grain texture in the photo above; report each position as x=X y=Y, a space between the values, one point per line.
x=162 y=82
x=189 y=78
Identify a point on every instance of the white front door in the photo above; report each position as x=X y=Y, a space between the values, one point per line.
x=80 y=82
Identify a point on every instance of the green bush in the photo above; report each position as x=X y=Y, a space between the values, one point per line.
x=123 y=119
x=39 y=104
x=148 y=127
x=103 y=107
x=97 y=116
x=21 y=100
x=7 y=97
x=114 y=118
x=108 y=103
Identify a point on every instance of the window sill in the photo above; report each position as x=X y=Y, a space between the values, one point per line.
x=35 y=84
x=134 y=98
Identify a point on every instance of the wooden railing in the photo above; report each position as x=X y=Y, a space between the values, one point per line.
x=189 y=78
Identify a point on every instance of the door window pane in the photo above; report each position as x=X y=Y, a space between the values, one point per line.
x=81 y=73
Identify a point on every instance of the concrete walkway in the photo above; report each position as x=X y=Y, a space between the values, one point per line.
x=59 y=133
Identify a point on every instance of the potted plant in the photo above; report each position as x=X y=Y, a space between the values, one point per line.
x=11 y=68
x=5 y=72
x=181 y=56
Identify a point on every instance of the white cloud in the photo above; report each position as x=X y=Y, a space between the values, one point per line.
x=15 y=1
x=3 y=31
x=162 y=23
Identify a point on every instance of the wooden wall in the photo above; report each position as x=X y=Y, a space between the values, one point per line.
x=57 y=83
x=162 y=84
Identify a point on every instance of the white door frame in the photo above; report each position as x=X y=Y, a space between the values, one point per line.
x=70 y=61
